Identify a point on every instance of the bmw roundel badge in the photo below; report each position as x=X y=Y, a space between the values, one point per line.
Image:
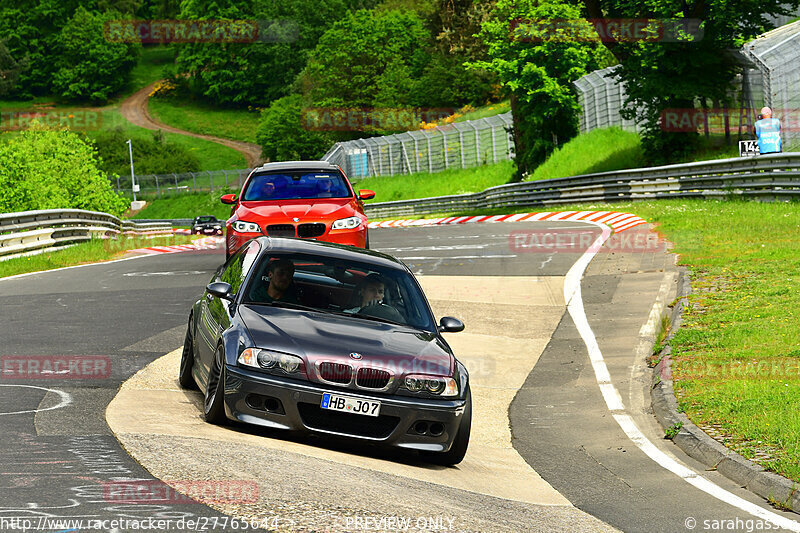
x=356 y=355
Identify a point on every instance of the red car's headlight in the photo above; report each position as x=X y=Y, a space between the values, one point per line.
x=246 y=227
x=347 y=223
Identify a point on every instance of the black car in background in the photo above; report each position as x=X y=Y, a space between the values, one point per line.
x=328 y=339
x=206 y=225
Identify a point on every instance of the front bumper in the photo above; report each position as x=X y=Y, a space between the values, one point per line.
x=282 y=403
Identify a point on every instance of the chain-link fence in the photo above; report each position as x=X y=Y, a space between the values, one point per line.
x=601 y=98
x=770 y=77
x=776 y=56
x=159 y=185
x=457 y=145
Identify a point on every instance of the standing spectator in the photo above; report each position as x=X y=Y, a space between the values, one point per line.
x=768 y=133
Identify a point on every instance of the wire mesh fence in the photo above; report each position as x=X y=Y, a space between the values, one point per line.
x=458 y=145
x=770 y=77
x=776 y=55
x=158 y=185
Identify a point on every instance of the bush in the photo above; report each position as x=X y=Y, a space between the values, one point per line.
x=282 y=136
x=53 y=169
x=153 y=155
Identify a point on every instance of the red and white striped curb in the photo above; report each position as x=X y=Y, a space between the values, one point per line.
x=615 y=220
x=206 y=243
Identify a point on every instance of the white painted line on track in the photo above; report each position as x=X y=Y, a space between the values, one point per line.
x=572 y=295
x=66 y=399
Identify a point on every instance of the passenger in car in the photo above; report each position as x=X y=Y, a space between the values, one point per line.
x=278 y=284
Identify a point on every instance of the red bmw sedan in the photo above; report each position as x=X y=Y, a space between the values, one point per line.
x=302 y=199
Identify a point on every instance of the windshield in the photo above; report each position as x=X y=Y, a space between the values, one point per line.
x=360 y=290
x=203 y=220
x=296 y=186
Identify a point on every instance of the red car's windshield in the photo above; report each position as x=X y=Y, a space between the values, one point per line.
x=295 y=186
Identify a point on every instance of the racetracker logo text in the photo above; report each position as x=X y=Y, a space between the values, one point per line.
x=606 y=30
x=370 y=118
x=55 y=366
x=151 y=492
x=550 y=240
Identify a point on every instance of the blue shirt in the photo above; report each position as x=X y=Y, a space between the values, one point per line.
x=768 y=131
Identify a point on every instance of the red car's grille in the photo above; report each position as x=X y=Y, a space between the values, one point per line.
x=372 y=378
x=335 y=372
x=314 y=229
x=280 y=230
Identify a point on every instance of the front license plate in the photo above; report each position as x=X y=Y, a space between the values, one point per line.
x=347 y=404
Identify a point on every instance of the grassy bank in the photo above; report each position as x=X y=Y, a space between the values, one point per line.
x=424 y=185
x=237 y=124
x=92 y=251
x=600 y=150
x=211 y=156
x=186 y=206
x=736 y=356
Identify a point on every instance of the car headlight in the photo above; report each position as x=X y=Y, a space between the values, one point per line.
x=246 y=227
x=441 y=386
x=267 y=359
x=347 y=223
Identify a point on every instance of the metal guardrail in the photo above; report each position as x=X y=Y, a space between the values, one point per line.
x=765 y=177
x=32 y=231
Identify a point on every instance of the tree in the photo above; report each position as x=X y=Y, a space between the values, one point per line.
x=538 y=69
x=53 y=169
x=88 y=66
x=660 y=75
x=10 y=69
x=282 y=135
x=255 y=73
x=368 y=59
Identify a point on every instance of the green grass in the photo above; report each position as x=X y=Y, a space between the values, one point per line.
x=423 y=185
x=186 y=206
x=212 y=156
x=88 y=252
x=197 y=117
x=600 y=150
x=736 y=355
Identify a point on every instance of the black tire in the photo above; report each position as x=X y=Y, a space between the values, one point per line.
x=366 y=241
x=458 y=450
x=185 y=378
x=214 y=401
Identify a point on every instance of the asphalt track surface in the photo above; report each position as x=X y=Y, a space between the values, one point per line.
x=58 y=460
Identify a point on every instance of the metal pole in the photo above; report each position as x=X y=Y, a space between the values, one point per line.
x=133 y=181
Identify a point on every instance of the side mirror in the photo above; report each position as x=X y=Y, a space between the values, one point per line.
x=220 y=289
x=228 y=199
x=366 y=194
x=449 y=324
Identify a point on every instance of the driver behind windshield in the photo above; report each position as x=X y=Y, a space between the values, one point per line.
x=278 y=286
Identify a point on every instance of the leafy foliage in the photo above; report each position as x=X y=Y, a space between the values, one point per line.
x=282 y=136
x=53 y=169
x=259 y=72
x=539 y=73
x=151 y=156
x=89 y=67
x=661 y=75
